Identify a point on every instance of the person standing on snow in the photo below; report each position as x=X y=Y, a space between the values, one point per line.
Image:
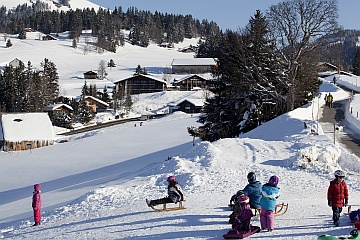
x=330 y=100
x=36 y=204
x=338 y=195
x=269 y=192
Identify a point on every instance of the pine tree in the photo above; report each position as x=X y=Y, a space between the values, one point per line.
x=8 y=43
x=356 y=65
x=84 y=112
x=105 y=96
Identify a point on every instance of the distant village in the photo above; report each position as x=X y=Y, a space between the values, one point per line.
x=188 y=75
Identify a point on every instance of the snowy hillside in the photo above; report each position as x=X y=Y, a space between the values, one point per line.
x=94 y=184
x=99 y=193
x=74 y=4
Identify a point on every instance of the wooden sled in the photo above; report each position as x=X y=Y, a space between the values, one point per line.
x=167 y=209
x=280 y=209
x=349 y=209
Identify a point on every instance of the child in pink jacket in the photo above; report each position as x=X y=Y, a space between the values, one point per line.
x=36 y=204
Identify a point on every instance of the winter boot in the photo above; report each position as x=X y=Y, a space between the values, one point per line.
x=337 y=223
x=36 y=224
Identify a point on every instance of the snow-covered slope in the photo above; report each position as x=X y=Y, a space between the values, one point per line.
x=74 y=4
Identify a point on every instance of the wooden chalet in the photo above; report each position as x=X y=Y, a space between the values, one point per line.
x=189 y=106
x=15 y=63
x=59 y=109
x=192 y=65
x=193 y=82
x=23 y=131
x=90 y=75
x=138 y=84
x=96 y=104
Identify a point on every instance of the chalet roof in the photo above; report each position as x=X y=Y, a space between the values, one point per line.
x=146 y=76
x=52 y=107
x=97 y=100
x=26 y=127
x=194 y=62
x=206 y=76
x=90 y=72
x=195 y=102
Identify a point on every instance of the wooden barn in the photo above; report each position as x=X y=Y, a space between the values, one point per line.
x=23 y=131
x=140 y=84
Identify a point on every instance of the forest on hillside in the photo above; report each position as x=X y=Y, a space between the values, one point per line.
x=263 y=70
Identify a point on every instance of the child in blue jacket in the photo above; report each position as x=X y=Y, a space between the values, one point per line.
x=269 y=192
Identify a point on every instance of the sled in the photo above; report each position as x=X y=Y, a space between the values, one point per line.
x=349 y=209
x=235 y=234
x=167 y=209
x=353 y=235
x=280 y=209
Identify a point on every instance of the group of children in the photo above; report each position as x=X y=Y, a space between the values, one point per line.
x=259 y=196
x=253 y=196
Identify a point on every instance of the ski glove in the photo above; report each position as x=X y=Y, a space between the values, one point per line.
x=346 y=203
x=330 y=203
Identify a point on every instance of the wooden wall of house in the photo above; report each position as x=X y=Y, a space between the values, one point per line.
x=26 y=145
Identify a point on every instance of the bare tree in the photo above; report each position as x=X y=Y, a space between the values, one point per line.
x=102 y=70
x=297 y=26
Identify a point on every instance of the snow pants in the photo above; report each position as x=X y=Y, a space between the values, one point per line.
x=336 y=213
x=37 y=216
x=161 y=201
x=267 y=218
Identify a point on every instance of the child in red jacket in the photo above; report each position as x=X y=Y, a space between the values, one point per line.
x=36 y=204
x=338 y=195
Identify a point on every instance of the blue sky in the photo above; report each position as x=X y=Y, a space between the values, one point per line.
x=227 y=13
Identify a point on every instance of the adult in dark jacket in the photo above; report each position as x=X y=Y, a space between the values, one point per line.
x=36 y=204
x=252 y=190
x=338 y=195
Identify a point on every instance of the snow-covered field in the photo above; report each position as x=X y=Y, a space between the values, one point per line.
x=94 y=186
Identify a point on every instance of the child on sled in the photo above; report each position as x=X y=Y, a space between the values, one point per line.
x=252 y=190
x=174 y=194
x=241 y=227
x=337 y=195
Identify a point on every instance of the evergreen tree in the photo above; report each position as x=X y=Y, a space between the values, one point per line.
x=251 y=85
x=84 y=112
x=105 y=96
x=85 y=91
x=50 y=81
x=356 y=65
x=8 y=43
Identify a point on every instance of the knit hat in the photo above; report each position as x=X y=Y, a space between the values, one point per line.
x=273 y=181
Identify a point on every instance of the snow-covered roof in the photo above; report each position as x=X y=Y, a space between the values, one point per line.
x=97 y=100
x=194 y=62
x=52 y=107
x=26 y=127
x=205 y=76
x=147 y=76
x=195 y=102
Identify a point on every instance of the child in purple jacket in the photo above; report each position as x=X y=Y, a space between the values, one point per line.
x=36 y=204
x=242 y=221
